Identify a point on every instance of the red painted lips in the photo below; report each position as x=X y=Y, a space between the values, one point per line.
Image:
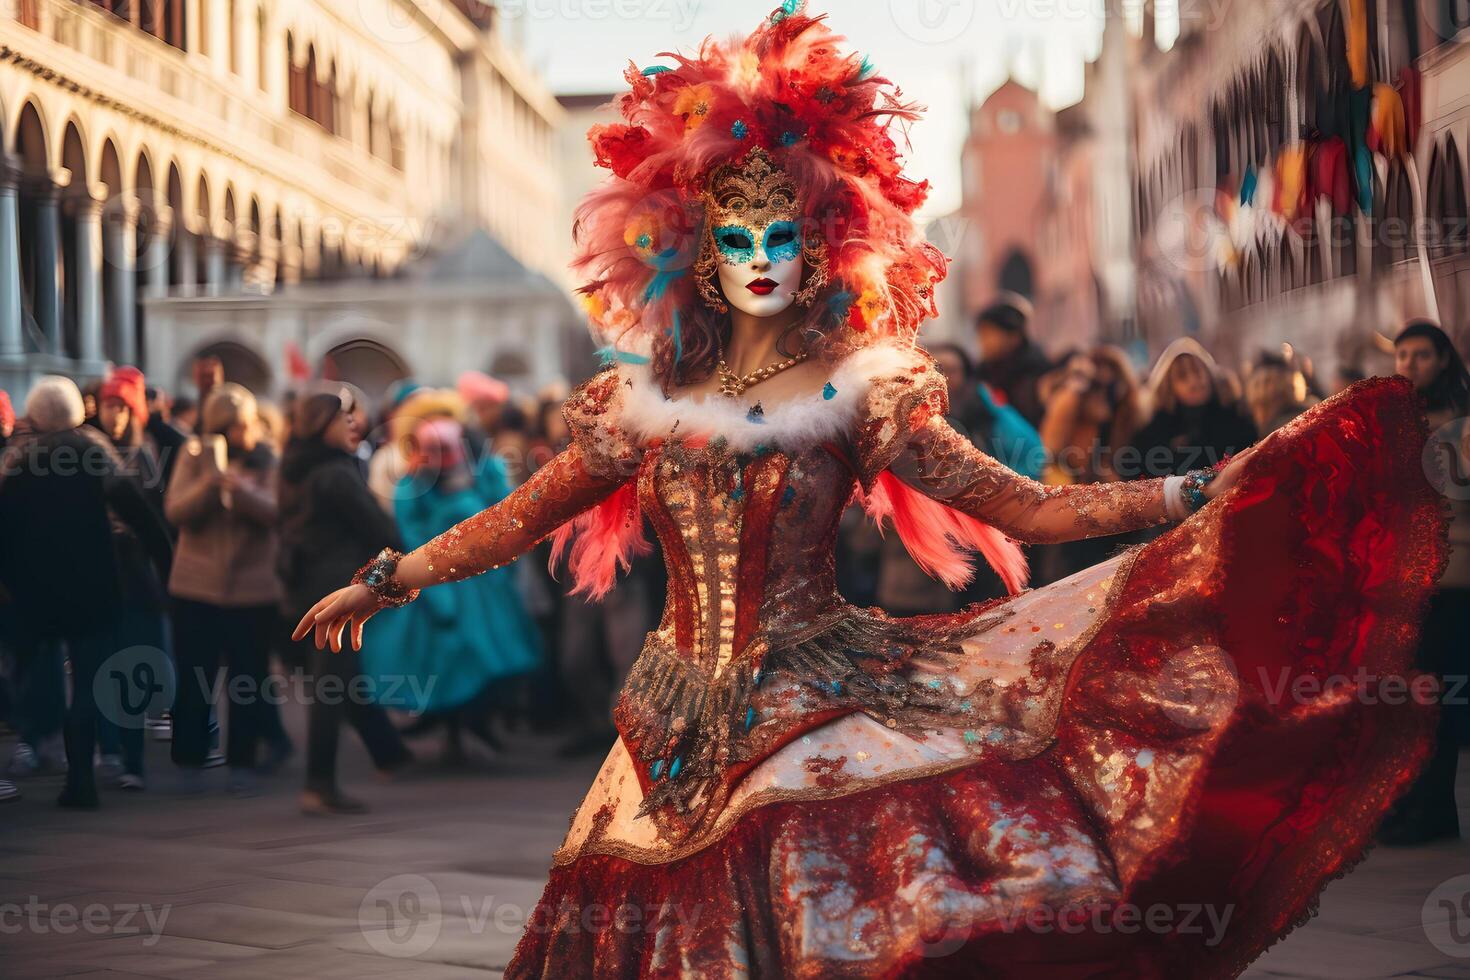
x=761 y=287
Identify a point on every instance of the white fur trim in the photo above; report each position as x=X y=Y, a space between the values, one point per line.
x=791 y=425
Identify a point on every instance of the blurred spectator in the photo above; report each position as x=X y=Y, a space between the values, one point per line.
x=1093 y=406
x=273 y=428
x=551 y=435
x=122 y=415
x=185 y=415
x=1345 y=375
x=486 y=398
x=1275 y=391
x=512 y=442
x=331 y=526
x=222 y=499
x=389 y=463
x=60 y=499
x=207 y=372
x=1010 y=361
x=122 y=412
x=471 y=635
x=1192 y=427
x=1424 y=354
x=167 y=438
x=7 y=419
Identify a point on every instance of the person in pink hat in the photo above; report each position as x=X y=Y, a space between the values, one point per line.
x=486 y=398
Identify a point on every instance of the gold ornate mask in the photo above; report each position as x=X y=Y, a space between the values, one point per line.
x=754 y=193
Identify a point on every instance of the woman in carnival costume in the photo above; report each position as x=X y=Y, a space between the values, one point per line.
x=1059 y=783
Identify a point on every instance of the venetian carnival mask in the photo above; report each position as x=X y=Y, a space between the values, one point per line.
x=754 y=245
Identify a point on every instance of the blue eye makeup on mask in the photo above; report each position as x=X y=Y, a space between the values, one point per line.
x=782 y=241
x=736 y=243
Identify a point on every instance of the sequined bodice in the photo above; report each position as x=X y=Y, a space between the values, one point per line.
x=748 y=539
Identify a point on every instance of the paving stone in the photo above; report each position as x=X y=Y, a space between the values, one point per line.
x=245 y=926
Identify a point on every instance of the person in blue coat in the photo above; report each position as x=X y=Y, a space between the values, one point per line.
x=445 y=658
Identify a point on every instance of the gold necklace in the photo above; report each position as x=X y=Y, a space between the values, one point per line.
x=734 y=385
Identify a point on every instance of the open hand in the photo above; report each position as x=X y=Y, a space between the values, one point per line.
x=1231 y=474
x=349 y=607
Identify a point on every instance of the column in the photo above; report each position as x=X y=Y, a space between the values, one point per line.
x=120 y=239
x=88 y=207
x=156 y=254
x=184 y=258
x=214 y=266
x=48 y=265
x=10 y=307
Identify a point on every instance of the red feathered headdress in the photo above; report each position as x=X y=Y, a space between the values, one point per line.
x=826 y=120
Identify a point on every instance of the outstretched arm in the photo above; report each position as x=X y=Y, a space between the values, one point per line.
x=903 y=431
x=556 y=493
x=943 y=464
x=601 y=459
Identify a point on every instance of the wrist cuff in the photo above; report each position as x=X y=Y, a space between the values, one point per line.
x=1174 y=504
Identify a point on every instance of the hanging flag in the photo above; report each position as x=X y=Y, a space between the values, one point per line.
x=297 y=369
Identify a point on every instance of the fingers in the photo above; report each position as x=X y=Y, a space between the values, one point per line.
x=307 y=621
x=323 y=621
x=357 y=623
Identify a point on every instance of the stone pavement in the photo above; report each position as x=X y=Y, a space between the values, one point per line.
x=209 y=887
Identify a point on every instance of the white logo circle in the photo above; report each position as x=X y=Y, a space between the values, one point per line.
x=1446 y=917
x=400 y=916
x=932 y=21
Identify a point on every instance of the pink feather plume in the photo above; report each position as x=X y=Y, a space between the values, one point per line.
x=938 y=536
x=607 y=536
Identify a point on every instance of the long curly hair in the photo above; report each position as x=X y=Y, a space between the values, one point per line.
x=825 y=118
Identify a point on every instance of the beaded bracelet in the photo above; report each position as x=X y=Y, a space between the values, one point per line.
x=1193 y=490
x=378 y=574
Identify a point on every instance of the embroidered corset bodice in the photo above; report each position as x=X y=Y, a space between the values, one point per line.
x=755 y=644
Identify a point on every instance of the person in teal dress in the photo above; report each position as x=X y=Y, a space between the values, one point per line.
x=446 y=659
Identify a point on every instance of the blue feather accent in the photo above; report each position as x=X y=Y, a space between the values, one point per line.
x=787 y=9
x=655 y=70
x=840 y=303
x=610 y=355
x=865 y=69
x=678 y=339
x=668 y=273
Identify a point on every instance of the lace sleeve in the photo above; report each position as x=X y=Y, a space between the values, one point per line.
x=591 y=414
x=556 y=493
x=896 y=405
x=599 y=461
x=904 y=431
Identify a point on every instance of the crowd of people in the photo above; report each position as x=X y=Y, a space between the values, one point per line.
x=195 y=528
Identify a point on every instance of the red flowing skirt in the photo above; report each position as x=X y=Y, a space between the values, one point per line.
x=1155 y=835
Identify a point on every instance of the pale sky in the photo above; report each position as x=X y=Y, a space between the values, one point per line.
x=927 y=47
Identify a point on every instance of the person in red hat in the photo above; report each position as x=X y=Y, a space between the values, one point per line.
x=122 y=415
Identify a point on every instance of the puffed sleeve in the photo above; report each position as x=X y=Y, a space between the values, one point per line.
x=599 y=461
x=902 y=429
x=899 y=401
x=592 y=413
